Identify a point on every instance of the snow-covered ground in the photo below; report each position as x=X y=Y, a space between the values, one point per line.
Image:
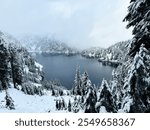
x=31 y=103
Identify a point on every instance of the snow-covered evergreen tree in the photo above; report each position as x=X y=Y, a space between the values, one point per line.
x=90 y=99
x=84 y=83
x=63 y=104
x=16 y=68
x=139 y=17
x=137 y=83
x=118 y=79
x=9 y=101
x=57 y=105
x=4 y=64
x=69 y=106
x=60 y=92
x=105 y=99
x=77 y=83
x=76 y=105
x=53 y=92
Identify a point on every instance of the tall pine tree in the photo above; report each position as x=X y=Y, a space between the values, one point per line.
x=77 y=83
x=90 y=99
x=105 y=99
x=84 y=83
x=139 y=18
x=136 y=87
x=16 y=68
x=4 y=65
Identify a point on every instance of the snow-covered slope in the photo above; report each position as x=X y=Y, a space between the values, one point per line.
x=45 y=44
x=115 y=54
x=32 y=104
x=18 y=67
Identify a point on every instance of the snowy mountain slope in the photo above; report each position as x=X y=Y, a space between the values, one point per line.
x=114 y=54
x=18 y=67
x=32 y=104
x=93 y=52
x=45 y=44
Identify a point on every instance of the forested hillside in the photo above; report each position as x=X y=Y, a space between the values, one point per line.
x=18 y=68
x=113 y=55
x=47 y=45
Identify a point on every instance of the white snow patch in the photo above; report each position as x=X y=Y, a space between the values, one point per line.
x=109 y=56
x=97 y=104
x=31 y=103
x=103 y=109
x=39 y=66
x=26 y=69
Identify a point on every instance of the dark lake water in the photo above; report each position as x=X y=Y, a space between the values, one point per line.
x=63 y=68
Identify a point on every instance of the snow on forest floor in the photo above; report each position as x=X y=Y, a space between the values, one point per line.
x=32 y=103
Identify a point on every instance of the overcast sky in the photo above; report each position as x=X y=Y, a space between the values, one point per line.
x=81 y=23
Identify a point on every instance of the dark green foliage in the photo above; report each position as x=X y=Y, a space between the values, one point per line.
x=76 y=105
x=60 y=105
x=106 y=98
x=90 y=101
x=139 y=17
x=69 y=106
x=53 y=92
x=61 y=92
x=84 y=83
x=137 y=85
x=16 y=68
x=57 y=105
x=4 y=66
x=9 y=102
x=63 y=104
x=77 y=83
